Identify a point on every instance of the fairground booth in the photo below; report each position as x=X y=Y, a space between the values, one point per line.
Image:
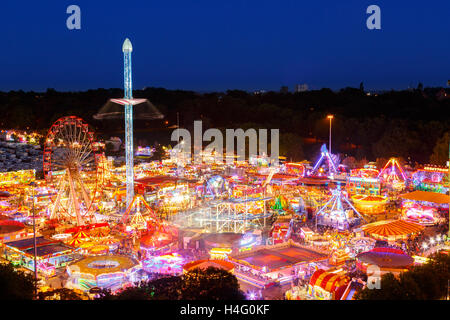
x=12 y=230
x=51 y=254
x=430 y=178
x=265 y=265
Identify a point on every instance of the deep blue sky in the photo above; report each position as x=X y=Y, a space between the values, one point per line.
x=219 y=45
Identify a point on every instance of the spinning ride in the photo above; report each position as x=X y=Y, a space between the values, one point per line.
x=71 y=168
x=338 y=212
x=217 y=186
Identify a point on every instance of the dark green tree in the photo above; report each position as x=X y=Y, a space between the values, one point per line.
x=440 y=151
x=60 y=294
x=425 y=282
x=15 y=284
x=291 y=147
x=211 y=284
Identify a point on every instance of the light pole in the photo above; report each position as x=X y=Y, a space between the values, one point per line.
x=34 y=240
x=330 y=116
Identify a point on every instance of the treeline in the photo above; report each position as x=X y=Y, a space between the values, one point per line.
x=409 y=124
x=429 y=281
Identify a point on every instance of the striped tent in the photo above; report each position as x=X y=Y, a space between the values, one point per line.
x=328 y=281
x=110 y=241
x=75 y=242
x=81 y=235
x=99 y=232
x=392 y=229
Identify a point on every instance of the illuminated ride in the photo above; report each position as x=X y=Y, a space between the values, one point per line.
x=367 y=204
x=294 y=168
x=235 y=215
x=217 y=186
x=393 y=174
x=171 y=263
x=137 y=215
x=105 y=271
x=420 y=214
x=246 y=210
x=330 y=160
x=338 y=212
x=392 y=230
x=71 y=169
x=367 y=172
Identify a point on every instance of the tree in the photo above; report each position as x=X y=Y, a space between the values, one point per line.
x=109 y=148
x=349 y=162
x=60 y=294
x=390 y=290
x=425 y=282
x=159 y=153
x=15 y=284
x=441 y=150
x=211 y=284
x=291 y=146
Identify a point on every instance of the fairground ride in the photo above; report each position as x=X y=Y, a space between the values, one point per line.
x=71 y=168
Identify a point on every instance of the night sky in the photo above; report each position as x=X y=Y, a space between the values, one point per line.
x=206 y=45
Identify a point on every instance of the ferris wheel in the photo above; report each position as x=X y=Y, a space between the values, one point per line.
x=71 y=168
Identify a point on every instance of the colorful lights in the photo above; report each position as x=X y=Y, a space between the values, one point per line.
x=392 y=172
x=325 y=155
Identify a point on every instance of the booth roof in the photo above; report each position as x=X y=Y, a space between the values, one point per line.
x=327 y=280
x=157 y=180
x=49 y=249
x=392 y=228
x=386 y=258
x=434 y=197
x=26 y=243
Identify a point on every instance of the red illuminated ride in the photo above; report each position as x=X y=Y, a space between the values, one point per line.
x=71 y=168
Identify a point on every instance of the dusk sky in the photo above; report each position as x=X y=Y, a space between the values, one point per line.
x=209 y=45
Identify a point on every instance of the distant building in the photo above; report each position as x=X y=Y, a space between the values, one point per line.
x=256 y=92
x=301 y=87
x=284 y=89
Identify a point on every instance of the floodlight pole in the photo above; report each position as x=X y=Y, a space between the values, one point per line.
x=34 y=241
x=329 y=141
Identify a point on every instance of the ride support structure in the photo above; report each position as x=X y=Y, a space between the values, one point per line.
x=127 y=48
